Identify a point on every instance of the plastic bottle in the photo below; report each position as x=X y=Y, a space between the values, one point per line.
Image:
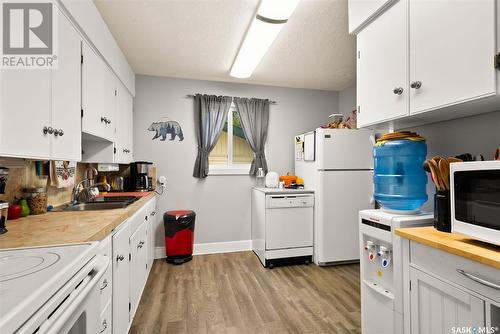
x=399 y=180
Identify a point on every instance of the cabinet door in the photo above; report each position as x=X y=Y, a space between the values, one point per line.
x=66 y=95
x=452 y=45
x=382 y=68
x=138 y=249
x=121 y=282
x=151 y=234
x=437 y=306
x=24 y=112
x=124 y=131
x=98 y=95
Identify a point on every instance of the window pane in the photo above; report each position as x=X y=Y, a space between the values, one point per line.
x=219 y=154
x=242 y=153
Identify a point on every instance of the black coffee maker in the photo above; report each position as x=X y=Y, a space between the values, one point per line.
x=139 y=180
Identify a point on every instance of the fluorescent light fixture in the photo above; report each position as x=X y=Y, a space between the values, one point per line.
x=271 y=17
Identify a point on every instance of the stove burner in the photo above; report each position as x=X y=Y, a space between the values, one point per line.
x=16 y=266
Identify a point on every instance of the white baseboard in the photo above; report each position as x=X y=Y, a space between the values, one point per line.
x=213 y=248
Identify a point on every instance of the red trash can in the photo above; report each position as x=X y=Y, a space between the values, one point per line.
x=179 y=235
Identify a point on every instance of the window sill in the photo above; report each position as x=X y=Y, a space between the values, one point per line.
x=228 y=171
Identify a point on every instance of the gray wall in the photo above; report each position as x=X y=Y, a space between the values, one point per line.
x=222 y=203
x=347 y=100
x=476 y=135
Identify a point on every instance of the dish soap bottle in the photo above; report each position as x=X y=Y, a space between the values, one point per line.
x=260 y=181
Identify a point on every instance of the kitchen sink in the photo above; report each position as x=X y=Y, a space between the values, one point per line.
x=100 y=203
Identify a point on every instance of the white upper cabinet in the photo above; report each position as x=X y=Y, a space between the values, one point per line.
x=452 y=45
x=40 y=109
x=382 y=84
x=362 y=11
x=422 y=61
x=124 y=129
x=66 y=92
x=98 y=96
x=24 y=113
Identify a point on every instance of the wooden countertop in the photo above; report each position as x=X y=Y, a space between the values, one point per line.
x=454 y=243
x=55 y=228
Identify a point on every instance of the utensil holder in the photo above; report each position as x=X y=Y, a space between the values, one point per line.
x=442 y=211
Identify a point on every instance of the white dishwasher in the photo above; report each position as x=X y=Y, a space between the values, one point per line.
x=282 y=226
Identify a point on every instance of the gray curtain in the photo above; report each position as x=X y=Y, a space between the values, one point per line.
x=254 y=115
x=210 y=116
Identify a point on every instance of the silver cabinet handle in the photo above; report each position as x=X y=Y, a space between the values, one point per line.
x=104 y=326
x=398 y=90
x=153 y=213
x=479 y=279
x=104 y=284
x=416 y=84
x=45 y=130
x=59 y=132
x=49 y=130
x=141 y=243
x=120 y=257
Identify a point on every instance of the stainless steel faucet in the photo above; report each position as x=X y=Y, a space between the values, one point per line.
x=86 y=194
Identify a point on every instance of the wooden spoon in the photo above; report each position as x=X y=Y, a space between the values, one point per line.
x=435 y=174
x=437 y=158
x=444 y=168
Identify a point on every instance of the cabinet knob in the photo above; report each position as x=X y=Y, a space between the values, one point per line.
x=103 y=119
x=398 y=90
x=120 y=257
x=61 y=132
x=45 y=130
x=416 y=84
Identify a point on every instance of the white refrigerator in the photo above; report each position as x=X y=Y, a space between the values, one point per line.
x=338 y=165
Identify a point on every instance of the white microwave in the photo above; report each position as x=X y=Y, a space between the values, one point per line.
x=475 y=199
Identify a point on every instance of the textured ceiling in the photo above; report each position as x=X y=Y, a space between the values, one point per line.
x=199 y=39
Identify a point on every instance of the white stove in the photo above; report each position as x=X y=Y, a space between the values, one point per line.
x=37 y=283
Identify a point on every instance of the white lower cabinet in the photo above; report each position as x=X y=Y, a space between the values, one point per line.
x=131 y=263
x=138 y=265
x=448 y=293
x=438 y=307
x=121 y=284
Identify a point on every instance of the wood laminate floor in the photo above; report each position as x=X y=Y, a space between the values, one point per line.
x=233 y=293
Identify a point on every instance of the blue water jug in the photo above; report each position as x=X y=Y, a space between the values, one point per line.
x=399 y=180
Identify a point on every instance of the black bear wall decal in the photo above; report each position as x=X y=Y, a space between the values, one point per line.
x=162 y=129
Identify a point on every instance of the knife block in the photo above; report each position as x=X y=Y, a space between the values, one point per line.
x=442 y=211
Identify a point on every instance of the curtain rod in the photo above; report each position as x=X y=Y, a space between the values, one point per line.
x=270 y=102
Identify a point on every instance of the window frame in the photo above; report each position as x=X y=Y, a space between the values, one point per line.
x=230 y=168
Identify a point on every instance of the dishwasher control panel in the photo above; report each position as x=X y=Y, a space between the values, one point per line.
x=289 y=201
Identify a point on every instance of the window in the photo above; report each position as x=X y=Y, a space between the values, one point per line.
x=232 y=153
